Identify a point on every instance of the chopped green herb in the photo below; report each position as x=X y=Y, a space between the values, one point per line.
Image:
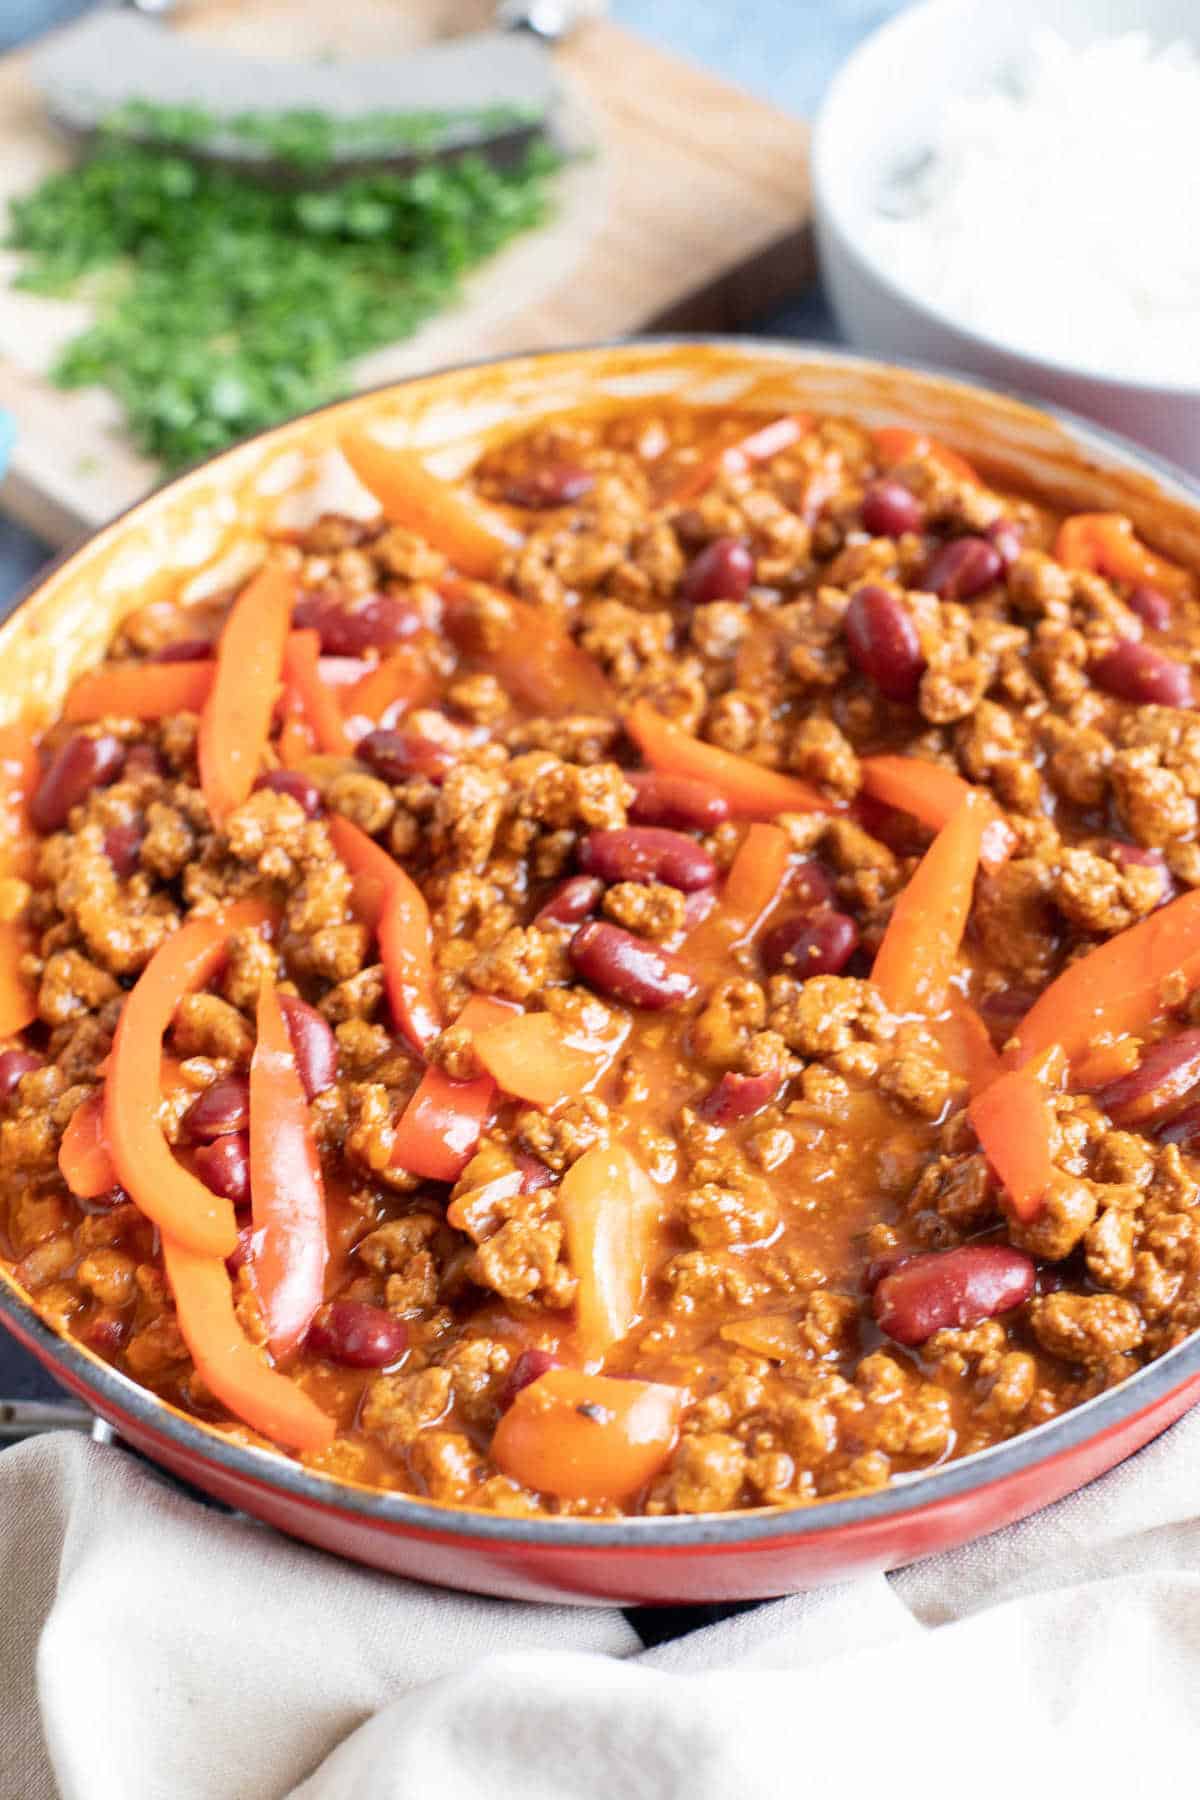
x=223 y=305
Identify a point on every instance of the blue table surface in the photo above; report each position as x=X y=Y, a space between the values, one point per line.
x=784 y=50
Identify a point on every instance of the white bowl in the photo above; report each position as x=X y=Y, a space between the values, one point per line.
x=879 y=114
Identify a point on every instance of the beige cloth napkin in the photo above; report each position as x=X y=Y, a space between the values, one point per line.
x=152 y=1648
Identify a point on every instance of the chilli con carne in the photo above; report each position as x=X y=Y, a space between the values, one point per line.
x=662 y=977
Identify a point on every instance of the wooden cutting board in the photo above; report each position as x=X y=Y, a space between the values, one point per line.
x=693 y=214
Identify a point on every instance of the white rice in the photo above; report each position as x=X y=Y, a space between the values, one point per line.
x=1060 y=216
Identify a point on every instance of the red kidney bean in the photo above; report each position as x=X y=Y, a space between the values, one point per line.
x=555 y=484
x=1142 y=675
x=648 y=853
x=220 y=1109
x=1184 y=1128
x=13 y=1065
x=193 y=649
x=534 y=1173
x=883 y=643
x=630 y=968
x=1165 y=1076
x=952 y=1288
x=357 y=1335
x=1007 y=539
x=678 y=801
x=144 y=759
x=803 y=945
x=739 y=1097
x=527 y=1368
x=811 y=886
x=313 y=1042
x=83 y=763
x=1151 y=605
x=398 y=755
x=122 y=846
x=348 y=628
x=723 y=570
x=304 y=792
x=224 y=1166
x=889 y=509
x=1137 y=856
x=962 y=568
x=572 y=900
x=106 y=1333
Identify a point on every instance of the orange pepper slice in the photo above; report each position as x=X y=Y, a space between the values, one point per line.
x=1116 y=990
x=180 y=1205
x=288 y=1197
x=83 y=1156
x=896 y=443
x=735 y=459
x=917 y=957
x=752 y=791
x=1014 y=1121
x=139 y=691
x=318 y=703
x=588 y=1437
x=1107 y=544
x=475 y=539
x=608 y=1206
x=532 y=1057
x=378 y=698
x=228 y=1363
x=533 y=658
x=393 y=905
x=933 y=795
x=18 y=1001
x=235 y=724
x=967 y=1045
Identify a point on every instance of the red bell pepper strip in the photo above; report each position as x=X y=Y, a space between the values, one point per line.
x=287 y=1194
x=228 y=1363
x=139 y=691
x=933 y=795
x=83 y=1156
x=18 y=1001
x=180 y=1205
x=896 y=443
x=236 y=722
x=439 y=1130
x=917 y=957
x=588 y=1437
x=1106 y=544
x=608 y=1206
x=295 y=743
x=1116 y=990
x=752 y=791
x=528 y=652
x=735 y=459
x=394 y=906
x=967 y=1045
x=1014 y=1121
x=378 y=698
x=532 y=1057
x=318 y=703
x=475 y=539
x=756 y=875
